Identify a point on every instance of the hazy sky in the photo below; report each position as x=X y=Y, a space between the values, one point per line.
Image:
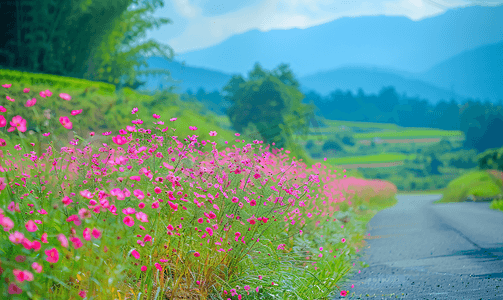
x=199 y=24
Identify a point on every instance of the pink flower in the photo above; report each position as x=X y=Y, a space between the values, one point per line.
x=77 y=243
x=119 y=140
x=31 y=226
x=143 y=268
x=19 y=123
x=3 y=109
x=192 y=127
x=157 y=190
x=156 y=116
x=46 y=134
x=48 y=93
x=135 y=110
x=76 y=112
x=129 y=221
x=135 y=254
x=16 y=237
x=3 y=185
x=96 y=233
x=67 y=201
x=86 y=234
x=43 y=239
x=128 y=211
x=66 y=122
x=82 y=293
x=26 y=90
x=52 y=255
x=344 y=293
x=7 y=85
x=63 y=240
x=213 y=133
x=37 y=267
x=196 y=254
x=86 y=194
x=13 y=288
x=31 y=102
x=84 y=214
x=139 y=194
x=173 y=119
x=3 y=143
x=35 y=245
x=23 y=275
x=343 y=240
x=65 y=96
x=142 y=217
x=42 y=94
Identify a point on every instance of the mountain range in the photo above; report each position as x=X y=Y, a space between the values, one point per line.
x=458 y=54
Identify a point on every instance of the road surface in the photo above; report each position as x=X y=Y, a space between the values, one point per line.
x=421 y=250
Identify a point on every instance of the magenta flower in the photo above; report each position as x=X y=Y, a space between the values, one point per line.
x=65 y=96
x=96 y=233
x=19 y=123
x=86 y=194
x=31 y=226
x=77 y=243
x=3 y=109
x=135 y=254
x=139 y=194
x=31 y=102
x=3 y=121
x=66 y=122
x=135 y=110
x=156 y=116
x=142 y=217
x=16 y=237
x=52 y=255
x=26 y=90
x=129 y=221
x=76 y=112
x=213 y=133
x=37 y=267
x=86 y=234
x=63 y=240
x=119 y=140
x=8 y=85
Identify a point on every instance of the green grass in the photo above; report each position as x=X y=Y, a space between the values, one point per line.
x=409 y=134
x=476 y=183
x=367 y=159
x=366 y=125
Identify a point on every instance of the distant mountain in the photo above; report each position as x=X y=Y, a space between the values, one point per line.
x=371 y=81
x=183 y=77
x=477 y=73
x=433 y=85
x=382 y=41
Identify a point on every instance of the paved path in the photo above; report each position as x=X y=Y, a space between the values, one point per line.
x=421 y=250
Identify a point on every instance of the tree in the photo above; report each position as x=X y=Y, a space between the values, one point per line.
x=55 y=37
x=119 y=57
x=80 y=38
x=269 y=101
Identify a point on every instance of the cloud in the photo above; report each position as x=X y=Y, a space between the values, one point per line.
x=184 y=8
x=201 y=31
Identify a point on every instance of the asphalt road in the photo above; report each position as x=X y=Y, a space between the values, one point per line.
x=421 y=250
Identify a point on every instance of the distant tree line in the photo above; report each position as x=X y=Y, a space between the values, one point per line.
x=480 y=122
